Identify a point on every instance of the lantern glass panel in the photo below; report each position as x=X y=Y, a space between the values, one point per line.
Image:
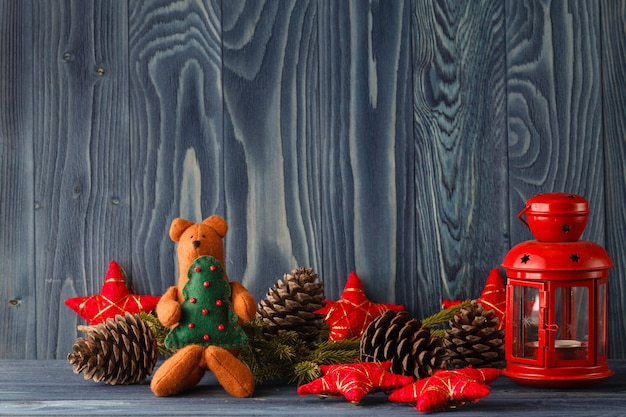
x=601 y=318
x=571 y=316
x=525 y=321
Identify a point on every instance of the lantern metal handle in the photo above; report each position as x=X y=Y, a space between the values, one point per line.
x=521 y=213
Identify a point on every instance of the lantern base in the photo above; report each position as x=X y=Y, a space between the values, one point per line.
x=562 y=377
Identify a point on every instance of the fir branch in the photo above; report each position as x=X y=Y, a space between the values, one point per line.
x=444 y=316
x=306 y=371
x=158 y=330
x=440 y=333
x=286 y=356
x=341 y=351
x=271 y=358
x=326 y=353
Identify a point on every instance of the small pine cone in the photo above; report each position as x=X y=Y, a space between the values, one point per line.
x=474 y=339
x=398 y=337
x=290 y=304
x=121 y=351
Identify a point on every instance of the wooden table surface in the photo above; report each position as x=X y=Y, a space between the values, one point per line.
x=51 y=388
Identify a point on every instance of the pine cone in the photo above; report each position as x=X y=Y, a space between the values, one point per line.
x=474 y=339
x=121 y=351
x=289 y=305
x=398 y=337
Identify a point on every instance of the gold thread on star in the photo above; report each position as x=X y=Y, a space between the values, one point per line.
x=354 y=381
x=113 y=299
x=447 y=388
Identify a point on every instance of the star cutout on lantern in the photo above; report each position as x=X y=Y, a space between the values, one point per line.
x=113 y=299
x=447 y=388
x=493 y=296
x=565 y=228
x=525 y=258
x=354 y=381
x=574 y=257
x=349 y=317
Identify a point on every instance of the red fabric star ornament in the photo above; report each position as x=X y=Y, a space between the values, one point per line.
x=447 y=388
x=349 y=317
x=113 y=299
x=446 y=304
x=354 y=381
x=493 y=296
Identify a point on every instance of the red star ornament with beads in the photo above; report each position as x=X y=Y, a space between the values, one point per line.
x=114 y=299
x=354 y=381
x=353 y=312
x=447 y=388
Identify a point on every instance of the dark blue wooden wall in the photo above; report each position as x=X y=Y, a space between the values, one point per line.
x=398 y=139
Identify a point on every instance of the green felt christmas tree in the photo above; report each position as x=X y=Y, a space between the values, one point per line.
x=207 y=316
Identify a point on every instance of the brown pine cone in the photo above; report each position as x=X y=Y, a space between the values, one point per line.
x=398 y=337
x=121 y=351
x=290 y=304
x=474 y=339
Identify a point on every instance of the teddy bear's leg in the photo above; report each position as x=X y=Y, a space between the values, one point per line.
x=232 y=374
x=178 y=373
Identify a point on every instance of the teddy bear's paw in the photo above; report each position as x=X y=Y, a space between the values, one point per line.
x=168 y=308
x=178 y=373
x=244 y=303
x=232 y=374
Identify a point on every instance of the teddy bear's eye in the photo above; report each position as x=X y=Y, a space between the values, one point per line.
x=203 y=236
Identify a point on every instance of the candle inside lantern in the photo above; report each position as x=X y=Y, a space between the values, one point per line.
x=568 y=350
x=565 y=350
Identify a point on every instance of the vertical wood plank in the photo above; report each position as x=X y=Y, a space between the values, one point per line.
x=613 y=18
x=271 y=149
x=17 y=240
x=460 y=147
x=81 y=158
x=176 y=127
x=554 y=106
x=367 y=160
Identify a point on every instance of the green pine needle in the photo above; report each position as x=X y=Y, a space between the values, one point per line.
x=326 y=353
x=441 y=318
x=158 y=330
x=306 y=371
x=271 y=358
x=287 y=357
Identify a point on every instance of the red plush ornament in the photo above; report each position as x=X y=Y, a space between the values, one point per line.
x=354 y=381
x=447 y=388
x=493 y=296
x=349 y=317
x=113 y=299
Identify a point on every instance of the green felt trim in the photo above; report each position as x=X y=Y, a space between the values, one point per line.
x=207 y=316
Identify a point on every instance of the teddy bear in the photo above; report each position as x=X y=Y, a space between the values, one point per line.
x=204 y=313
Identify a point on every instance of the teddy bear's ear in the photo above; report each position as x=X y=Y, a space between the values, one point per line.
x=178 y=227
x=217 y=223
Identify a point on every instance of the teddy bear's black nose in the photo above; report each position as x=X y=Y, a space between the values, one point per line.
x=196 y=243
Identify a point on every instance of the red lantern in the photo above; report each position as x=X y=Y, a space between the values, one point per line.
x=556 y=307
